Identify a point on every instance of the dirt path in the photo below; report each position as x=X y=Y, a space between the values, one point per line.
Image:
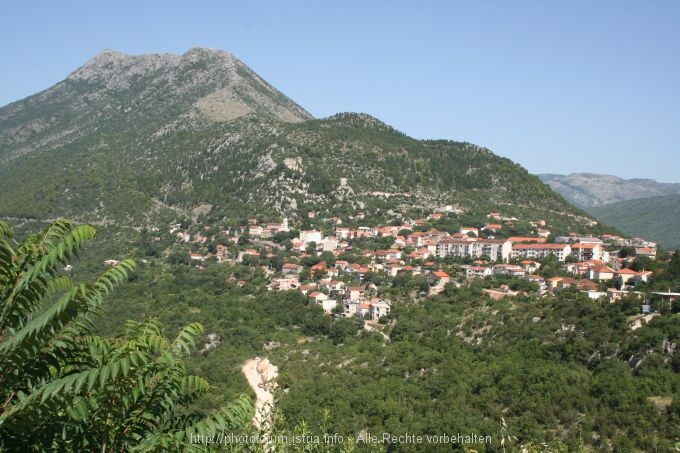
x=260 y=374
x=371 y=328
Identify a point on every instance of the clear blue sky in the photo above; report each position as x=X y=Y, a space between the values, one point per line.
x=557 y=86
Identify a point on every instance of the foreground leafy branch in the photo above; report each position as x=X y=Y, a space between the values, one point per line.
x=63 y=388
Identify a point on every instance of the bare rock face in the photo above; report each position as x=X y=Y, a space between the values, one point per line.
x=118 y=91
x=226 y=88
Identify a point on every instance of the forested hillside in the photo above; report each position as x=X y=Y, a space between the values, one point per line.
x=136 y=140
x=655 y=218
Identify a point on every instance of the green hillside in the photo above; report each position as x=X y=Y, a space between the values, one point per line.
x=129 y=139
x=654 y=218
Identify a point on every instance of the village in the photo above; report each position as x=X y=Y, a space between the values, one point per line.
x=339 y=276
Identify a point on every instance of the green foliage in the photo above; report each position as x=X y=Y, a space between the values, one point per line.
x=64 y=388
x=654 y=218
x=222 y=163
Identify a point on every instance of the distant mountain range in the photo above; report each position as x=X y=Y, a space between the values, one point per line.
x=639 y=207
x=587 y=190
x=131 y=138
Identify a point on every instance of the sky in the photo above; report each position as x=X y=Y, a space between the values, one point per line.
x=556 y=86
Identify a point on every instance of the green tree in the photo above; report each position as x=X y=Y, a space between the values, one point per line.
x=63 y=388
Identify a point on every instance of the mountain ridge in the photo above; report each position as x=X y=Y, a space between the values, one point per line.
x=125 y=137
x=588 y=190
x=201 y=84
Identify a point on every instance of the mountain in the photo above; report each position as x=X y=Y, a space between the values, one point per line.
x=654 y=218
x=588 y=190
x=136 y=138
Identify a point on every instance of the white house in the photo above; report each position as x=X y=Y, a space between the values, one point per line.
x=477 y=271
x=324 y=301
x=377 y=310
x=600 y=273
x=307 y=236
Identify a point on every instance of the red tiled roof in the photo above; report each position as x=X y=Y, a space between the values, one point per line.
x=626 y=272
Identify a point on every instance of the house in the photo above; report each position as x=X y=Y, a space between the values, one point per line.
x=255 y=231
x=392 y=269
x=411 y=269
x=623 y=275
x=323 y=301
x=298 y=245
x=328 y=244
x=336 y=288
x=362 y=309
x=306 y=289
x=378 y=309
x=643 y=276
x=307 y=236
x=648 y=252
x=493 y=227
x=553 y=282
x=509 y=269
x=586 y=285
x=585 y=251
x=477 y=271
x=358 y=271
x=533 y=278
x=614 y=294
x=441 y=278
x=392 y=254
x=284 y=284
x=291 y=269
x=566 y=282
x=530 y=266
x=343 y=233
x=328 y=305
x=600 y=273
x=543 y=233
x=355 y=293
x=595 y=295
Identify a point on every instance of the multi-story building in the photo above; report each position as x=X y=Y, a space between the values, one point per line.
x=586 y=251
x=538 y=251
x=494 y=250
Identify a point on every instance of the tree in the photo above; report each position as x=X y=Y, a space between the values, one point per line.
x=63 y=388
